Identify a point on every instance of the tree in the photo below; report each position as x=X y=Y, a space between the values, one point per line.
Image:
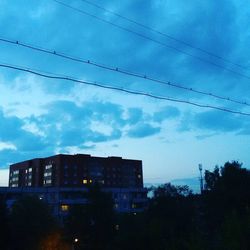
x=93 y=223
x=30 y=222
x=4 y=229
x=169 y=218
x=227 y=202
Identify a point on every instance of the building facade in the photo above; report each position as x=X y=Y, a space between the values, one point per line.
x=77 y=171
x=64 y=180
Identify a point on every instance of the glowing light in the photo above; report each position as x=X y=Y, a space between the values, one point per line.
x=64 y=208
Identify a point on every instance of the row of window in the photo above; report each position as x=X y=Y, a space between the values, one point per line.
x=28 y=170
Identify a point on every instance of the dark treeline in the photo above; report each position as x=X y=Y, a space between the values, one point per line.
x=175 y=219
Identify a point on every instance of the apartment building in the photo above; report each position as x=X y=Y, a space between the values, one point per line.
x=63 y=180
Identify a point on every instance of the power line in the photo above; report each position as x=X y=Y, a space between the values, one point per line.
x=119 y=70
x=151 y=39
x=120 y=89
x=163 y=34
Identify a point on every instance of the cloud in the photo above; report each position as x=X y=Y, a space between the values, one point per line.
x=10 y=127
x=166 y=113
x=67 y=125
x=142 y=130
x=217 y=121
x=134 y=115
x=22 y=143
x=213 y=122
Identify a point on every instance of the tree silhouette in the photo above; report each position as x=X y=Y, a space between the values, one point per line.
x=227 y=202
x=30 y=222
x=93 y=223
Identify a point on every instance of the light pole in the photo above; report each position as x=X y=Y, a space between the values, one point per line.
x=201 y=178
x=75 y=241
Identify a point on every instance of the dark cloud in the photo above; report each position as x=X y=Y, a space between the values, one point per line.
x=214 y=122
x=67 y=124
x=11 y=130
x=217 y=121
x=10 y=127
x=142 y=130
x=165 y=113
x=134 y=115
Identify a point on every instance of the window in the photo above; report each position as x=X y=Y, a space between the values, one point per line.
x=85 y=181
x=133 y=205
x=16 y=172
x=48 y=166
x=65 y=208
x=47 y=181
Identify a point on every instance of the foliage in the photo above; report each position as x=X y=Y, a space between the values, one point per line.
x=30 y=222
x=92 y=223
x=226 y=206
x=176 y=219
x=4 y=229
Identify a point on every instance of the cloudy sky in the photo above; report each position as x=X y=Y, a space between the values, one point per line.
x=190 y=43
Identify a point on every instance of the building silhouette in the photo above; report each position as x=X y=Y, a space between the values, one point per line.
x=64 y=181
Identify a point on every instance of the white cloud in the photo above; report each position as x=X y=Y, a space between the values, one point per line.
x=7 y=145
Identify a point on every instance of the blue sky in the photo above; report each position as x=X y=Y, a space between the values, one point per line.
x=40 y=117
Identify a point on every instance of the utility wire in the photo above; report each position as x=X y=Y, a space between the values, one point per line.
x=151 y=39
x=119 y=70
x=120 y=89
x=163 y=34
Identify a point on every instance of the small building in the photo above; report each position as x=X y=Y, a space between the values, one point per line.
x=64 y=180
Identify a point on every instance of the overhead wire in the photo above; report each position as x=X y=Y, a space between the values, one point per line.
x=120 y=89
x=151 y=39
x=163 y=34
x=119 y=70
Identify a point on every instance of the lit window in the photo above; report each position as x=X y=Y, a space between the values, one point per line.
x=133 y=205
x=139 y=176
x=65 y=208
x=48 y=166
x=47 y=182
x=90 y=181
x=116 y=205
x=117 y=227
x=84 y=181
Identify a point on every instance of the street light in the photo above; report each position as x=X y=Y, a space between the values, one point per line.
x=75 y=241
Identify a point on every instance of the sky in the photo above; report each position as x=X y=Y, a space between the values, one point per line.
x=188 y=43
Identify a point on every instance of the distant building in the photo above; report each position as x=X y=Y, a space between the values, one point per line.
x=63 y=180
